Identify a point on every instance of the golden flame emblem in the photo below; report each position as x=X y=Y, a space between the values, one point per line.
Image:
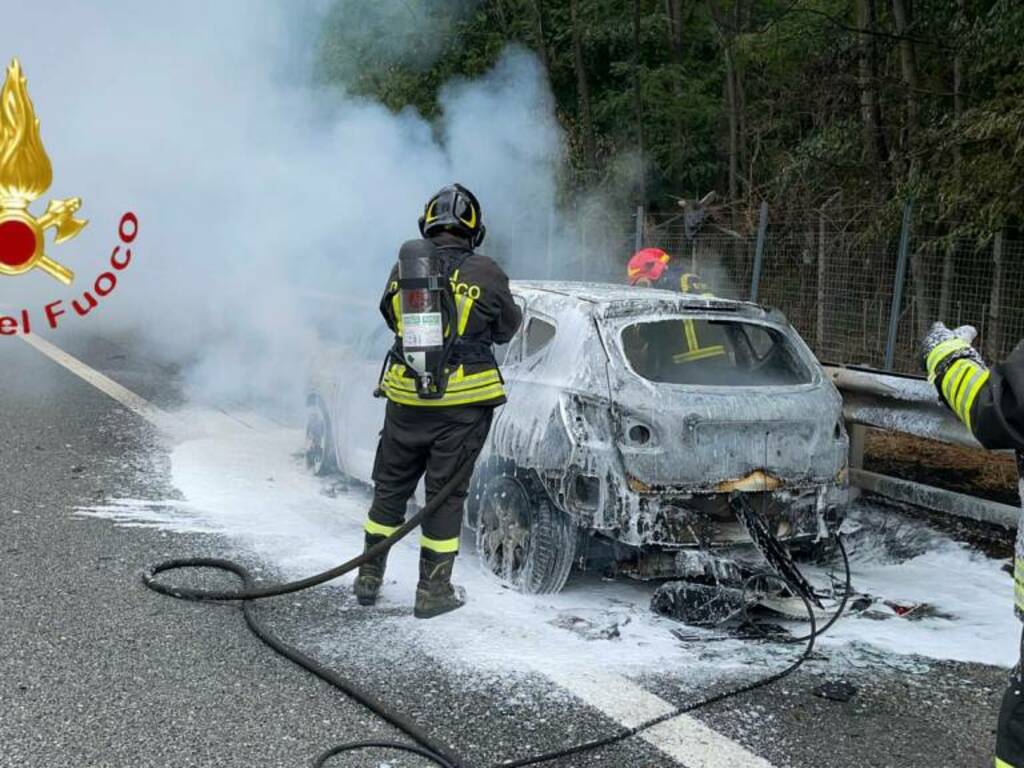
x=25 y=174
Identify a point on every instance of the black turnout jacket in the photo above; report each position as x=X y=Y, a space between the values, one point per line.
x=998 y=417
x=486 y=315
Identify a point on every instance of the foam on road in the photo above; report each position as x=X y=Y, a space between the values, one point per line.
x=243 y=478
x=242 y=475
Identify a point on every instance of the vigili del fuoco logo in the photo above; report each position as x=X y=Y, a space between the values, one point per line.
x=25 y=175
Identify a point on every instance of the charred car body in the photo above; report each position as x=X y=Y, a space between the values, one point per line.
x=635 y=416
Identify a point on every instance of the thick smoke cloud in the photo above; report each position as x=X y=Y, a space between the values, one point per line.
x=261 y=196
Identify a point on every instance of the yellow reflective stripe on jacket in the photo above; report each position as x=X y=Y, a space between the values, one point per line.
x=699 y=354
x=961 y=385
x=378 y=529
x=482 y=395
x=969 y=375
x=440 y=545
x=941 y=352
x=406 y=386
x=1002 y=764
x=462 y=389
x=465 y=307
x=1018 y=583
x=460 y=381
x=964 y=385
x=457 y=382
x=396 y=308
x=691 y=335
x=953 y=378
x=695 y=350
x=972 y=394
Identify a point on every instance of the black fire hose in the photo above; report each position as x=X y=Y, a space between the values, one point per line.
x=427 y=748
x=424 y=746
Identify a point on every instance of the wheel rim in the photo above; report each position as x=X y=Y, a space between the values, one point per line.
x=316 y=439
x=503 y=532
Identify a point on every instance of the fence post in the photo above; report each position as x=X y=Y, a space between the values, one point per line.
x=993 y=333
x=897 y=289
x=822 y=304
x=762 y=230
x=638 y=240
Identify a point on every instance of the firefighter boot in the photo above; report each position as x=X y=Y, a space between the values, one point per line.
x=434 y=593
x=371 y=573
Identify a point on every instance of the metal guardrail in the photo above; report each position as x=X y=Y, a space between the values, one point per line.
x=909 y=405
x=897 y=403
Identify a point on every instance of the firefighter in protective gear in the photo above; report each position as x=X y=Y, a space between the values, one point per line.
x=435 y=435
x=653 y=268
x=699 y=345
x=646 y=266
x=990 y=402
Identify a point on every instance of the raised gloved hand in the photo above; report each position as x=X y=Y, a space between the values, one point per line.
x=941 y=348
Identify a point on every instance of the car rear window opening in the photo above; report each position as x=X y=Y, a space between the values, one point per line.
x=704 y=352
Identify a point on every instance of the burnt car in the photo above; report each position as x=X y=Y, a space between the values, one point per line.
x=635 y=417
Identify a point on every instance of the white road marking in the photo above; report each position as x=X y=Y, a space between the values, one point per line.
x=133 y=402
x=683 y=738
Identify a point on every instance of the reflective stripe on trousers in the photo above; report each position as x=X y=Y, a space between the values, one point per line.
x=442 y=546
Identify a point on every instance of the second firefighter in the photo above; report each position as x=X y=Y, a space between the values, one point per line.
x=990 y=403
x=442 y=384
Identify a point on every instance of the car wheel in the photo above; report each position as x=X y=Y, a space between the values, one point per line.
x=523 y=539
x=319 y=442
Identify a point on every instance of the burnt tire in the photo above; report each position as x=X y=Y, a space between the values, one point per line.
x=319 y=439
x=522 y=538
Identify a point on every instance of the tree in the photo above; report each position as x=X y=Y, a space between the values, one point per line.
x=582 y=89
x=760 y=99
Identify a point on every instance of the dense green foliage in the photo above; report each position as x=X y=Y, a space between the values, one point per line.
x=793 y=101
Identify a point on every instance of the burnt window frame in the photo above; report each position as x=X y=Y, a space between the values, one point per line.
x=800 y=350
x=514 y=348
x=546 y=320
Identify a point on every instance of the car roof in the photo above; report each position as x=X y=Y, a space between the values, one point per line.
x=611 y=299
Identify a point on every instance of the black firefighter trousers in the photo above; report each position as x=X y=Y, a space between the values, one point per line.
x=432 y=440
x=1010 y=732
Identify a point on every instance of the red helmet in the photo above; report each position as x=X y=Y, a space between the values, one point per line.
x=647 y=266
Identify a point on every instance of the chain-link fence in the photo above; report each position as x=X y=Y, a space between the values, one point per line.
x=834 y=275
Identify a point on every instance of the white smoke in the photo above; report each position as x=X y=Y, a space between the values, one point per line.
x=260 y=195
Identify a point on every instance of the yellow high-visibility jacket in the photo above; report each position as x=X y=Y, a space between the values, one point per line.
x=485 y=314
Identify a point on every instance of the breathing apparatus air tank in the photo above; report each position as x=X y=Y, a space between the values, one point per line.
x=425 y=296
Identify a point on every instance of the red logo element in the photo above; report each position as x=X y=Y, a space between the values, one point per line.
x=17 y=243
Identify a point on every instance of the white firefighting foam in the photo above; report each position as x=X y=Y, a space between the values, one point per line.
x=244 y=478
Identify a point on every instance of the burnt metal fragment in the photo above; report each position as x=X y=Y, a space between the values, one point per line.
x=836 y=690
x=700 y=605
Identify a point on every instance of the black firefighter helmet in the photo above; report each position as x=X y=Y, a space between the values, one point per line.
x=454 y=209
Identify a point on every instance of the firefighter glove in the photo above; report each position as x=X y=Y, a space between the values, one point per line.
x=954 y=366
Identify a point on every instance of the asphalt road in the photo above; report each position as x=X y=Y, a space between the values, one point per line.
x=95 y=670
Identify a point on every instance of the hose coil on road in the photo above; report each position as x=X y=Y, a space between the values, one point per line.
x=425 y=746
